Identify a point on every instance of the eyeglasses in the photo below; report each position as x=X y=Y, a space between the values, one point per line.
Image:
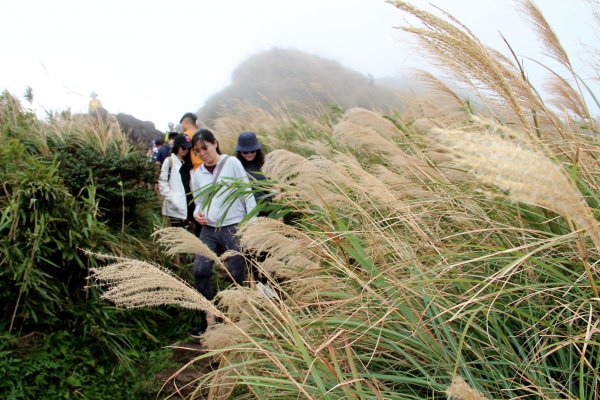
x=248 y=152
x=203 y=147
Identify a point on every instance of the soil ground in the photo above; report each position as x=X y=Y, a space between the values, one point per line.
x=179 y=382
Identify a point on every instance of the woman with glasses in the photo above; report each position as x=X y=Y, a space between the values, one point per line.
x=217 y=212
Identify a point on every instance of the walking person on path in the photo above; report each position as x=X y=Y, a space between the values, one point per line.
x=174 y=185
x=250 y=154
x=219 y=217
x=189 y=126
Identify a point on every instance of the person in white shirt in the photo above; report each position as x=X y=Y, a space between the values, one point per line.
x=174 y=183
x=219 y=216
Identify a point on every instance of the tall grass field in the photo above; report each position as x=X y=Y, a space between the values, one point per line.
x=449 y=249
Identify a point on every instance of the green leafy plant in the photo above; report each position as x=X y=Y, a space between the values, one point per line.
x=60 y=340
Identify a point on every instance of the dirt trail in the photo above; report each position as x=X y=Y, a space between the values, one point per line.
x=183 y=384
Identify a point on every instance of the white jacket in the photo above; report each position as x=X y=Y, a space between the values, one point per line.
x=175 y=204
x=218 y=207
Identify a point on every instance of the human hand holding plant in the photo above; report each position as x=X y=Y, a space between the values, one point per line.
x=200 y=218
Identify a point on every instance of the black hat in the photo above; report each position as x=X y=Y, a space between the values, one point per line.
x=182 y=141
x=247 y=141
x=189 y=115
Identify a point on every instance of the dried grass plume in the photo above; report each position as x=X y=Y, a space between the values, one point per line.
x=527 y=175
x=134 y=284
x=180 y=241
x=460 y=390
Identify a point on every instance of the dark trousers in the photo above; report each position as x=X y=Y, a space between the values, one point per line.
x=218 y=240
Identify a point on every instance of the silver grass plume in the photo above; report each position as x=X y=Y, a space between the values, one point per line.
x=276 y=268
x=460 y=390
x=373 y=121
x=546 y=33
x=341 y=183
x=314 y=287
x=180 y=241
x=374 y=191
x=566 y=97
x=220 y=336
x=134 y=284
x=553 y=48
x=282 y=164
x=439 y=87
x=282 y=242
x=362 y=138
x=527 y=175
x=399 y=183
x=237 y=301
x=374 y=134
x=316 y=180
x=216 y=338
x=461 y=53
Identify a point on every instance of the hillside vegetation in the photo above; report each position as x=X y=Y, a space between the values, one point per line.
x=422 y=249
x=73 y=183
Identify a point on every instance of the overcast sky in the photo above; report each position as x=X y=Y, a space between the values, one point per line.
x=158 y=59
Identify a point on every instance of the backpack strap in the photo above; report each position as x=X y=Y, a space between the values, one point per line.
x=220 y=168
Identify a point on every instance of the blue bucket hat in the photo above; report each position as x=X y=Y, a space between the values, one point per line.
x=247 y=141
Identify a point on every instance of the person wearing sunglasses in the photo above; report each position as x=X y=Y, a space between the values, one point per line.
x=250 y=154
x=217 y=212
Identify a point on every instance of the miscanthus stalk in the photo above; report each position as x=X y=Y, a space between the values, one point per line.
x=458 y=51
x=528 y=176
x=180 y=241
x=555 y=50
x=283 y=243
x=133 y=284
x=460 y=390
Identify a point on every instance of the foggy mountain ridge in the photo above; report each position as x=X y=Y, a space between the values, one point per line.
x=300 y=81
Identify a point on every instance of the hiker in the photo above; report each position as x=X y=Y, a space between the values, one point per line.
x=157 y=144
x=95 y=106
x=165 y=150
x=189 y=126
x=174 y=184
x=171 y=129
x=219 y=218
x=250 y=154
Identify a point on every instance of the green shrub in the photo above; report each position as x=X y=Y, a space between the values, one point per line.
x=60 y=195
x=123 y=183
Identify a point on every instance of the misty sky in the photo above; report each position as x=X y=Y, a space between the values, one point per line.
x=158 y=59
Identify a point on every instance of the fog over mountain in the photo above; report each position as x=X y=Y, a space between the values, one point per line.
x=301 y=82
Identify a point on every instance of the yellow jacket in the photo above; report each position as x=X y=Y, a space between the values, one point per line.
x=196 y=161
x=94 y=105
